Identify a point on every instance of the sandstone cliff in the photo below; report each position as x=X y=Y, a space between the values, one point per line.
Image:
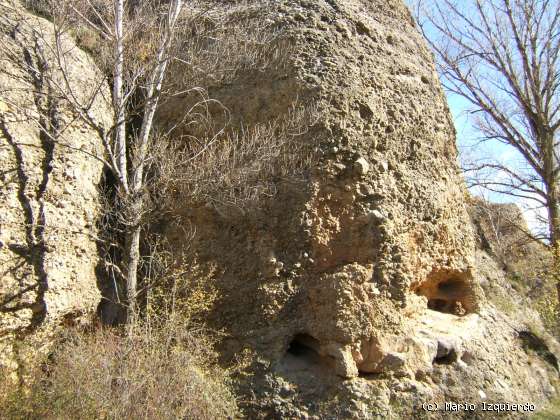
x=355 y=284
x=357 y=289
x=49 y=201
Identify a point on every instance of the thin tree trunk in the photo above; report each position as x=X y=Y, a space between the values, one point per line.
x=554 y=228
x=552 y=203
x=554 y=232
x=134 y=190
x=118 y=96
x=153 y=94
x=132 y=237
x=132 y=243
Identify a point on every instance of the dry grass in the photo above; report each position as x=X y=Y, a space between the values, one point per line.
x=155 y=372
x=220 y=39
x=245 y=166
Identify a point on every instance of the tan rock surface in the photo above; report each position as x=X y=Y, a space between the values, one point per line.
x=48 y=193
x=358 y=288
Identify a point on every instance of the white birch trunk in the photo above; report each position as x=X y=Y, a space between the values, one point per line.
x=139 y=159
x=153 y=95
x=118 y=96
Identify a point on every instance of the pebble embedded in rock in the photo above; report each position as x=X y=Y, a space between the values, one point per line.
x=361 y=166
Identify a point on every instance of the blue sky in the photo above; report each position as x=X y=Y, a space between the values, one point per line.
x=471 y=149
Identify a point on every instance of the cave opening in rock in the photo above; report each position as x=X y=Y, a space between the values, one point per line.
x=448 y=295
x=304 y=346
x=446 y=359
x=303 y=355
x=303 y=359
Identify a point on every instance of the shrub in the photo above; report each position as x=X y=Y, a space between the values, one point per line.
x=548 y=308
x=165 y=371
x=551 y=412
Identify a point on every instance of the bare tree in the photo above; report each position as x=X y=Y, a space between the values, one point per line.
x=193 y=153
x=503 y=57
x=137 y=80
x=129 y=79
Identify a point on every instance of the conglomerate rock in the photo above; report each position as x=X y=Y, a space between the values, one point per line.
x=357 y=289
x=49 y=201
x=356 y=286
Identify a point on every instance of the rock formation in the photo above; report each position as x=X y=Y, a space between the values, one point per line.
x=355 y=287
x=501 y=231
x=49 y=201
x=357 y=290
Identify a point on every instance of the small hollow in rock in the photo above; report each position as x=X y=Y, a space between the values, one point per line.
x=303 y=345
x=447 y=294
x=302 y=357
x=447 y=359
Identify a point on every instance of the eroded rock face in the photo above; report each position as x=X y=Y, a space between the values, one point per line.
x=358 y=287
x=48 y=192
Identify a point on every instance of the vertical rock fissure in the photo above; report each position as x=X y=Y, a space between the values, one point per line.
x=25 y=252
x=46 y=103
x=35 y=249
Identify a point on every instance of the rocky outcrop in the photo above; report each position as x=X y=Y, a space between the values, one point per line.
x=503 y=233
x=354 y=282
x=49 y=201
x=356 y=289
